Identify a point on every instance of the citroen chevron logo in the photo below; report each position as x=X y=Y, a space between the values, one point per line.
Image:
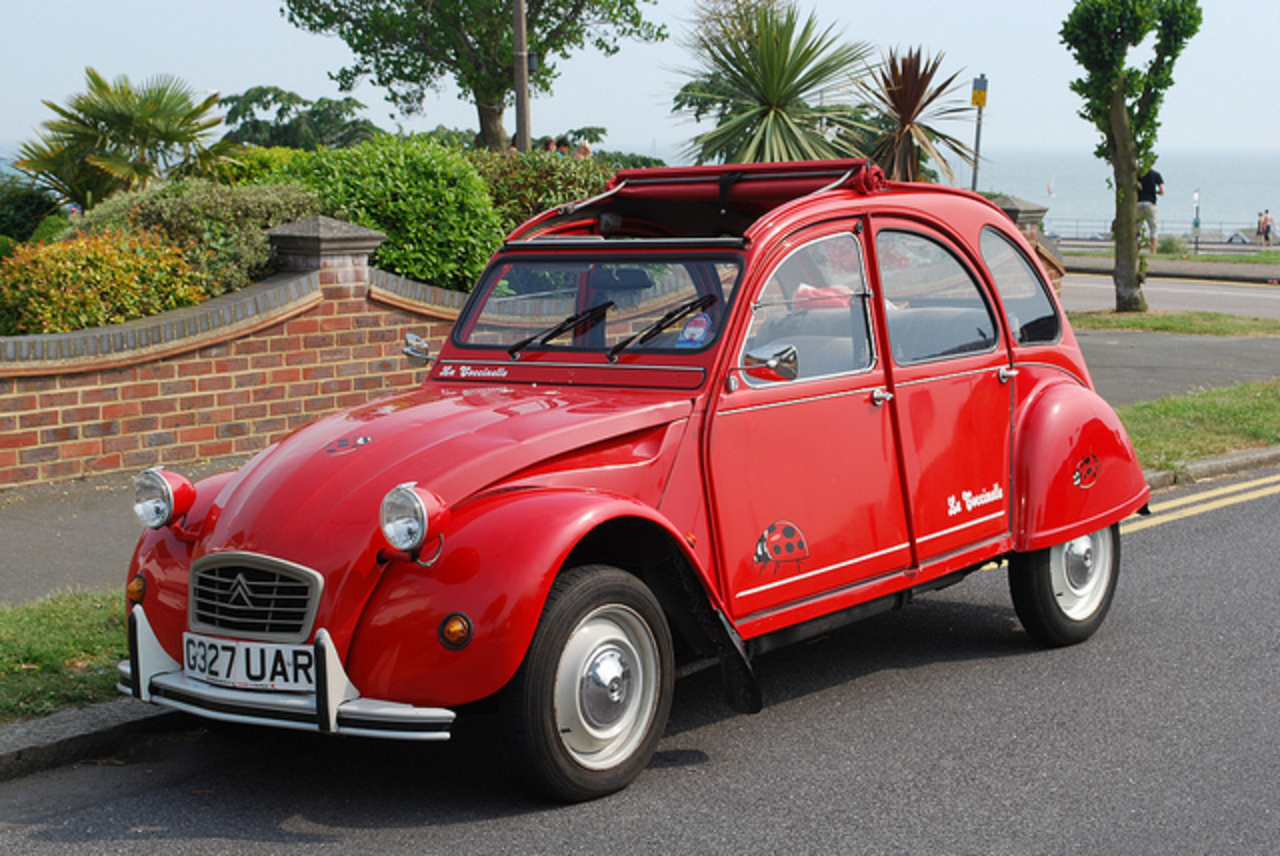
x=240 y=591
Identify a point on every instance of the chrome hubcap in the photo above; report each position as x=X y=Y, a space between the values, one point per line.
x=1079 y=562
x=605 y=688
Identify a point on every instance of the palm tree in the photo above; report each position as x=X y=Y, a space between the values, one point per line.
x=902 y=89
x=117 y=136
x=775 y=86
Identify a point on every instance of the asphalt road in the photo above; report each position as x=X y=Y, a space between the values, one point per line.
x=938 y=729
x=1081 y=292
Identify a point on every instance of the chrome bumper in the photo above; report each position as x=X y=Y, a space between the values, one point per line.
x=335 y=707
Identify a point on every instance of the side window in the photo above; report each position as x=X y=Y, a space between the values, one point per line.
x=933 y=306
x=816 y=301
x=1030 y=312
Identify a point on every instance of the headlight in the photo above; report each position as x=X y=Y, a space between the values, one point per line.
x=409 y=515
x=160 y=497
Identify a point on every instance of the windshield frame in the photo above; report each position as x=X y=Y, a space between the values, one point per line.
x=584 y=252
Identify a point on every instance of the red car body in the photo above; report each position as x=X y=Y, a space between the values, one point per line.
x=864 y=391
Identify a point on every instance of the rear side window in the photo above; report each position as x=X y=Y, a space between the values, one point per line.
x=934 y=308
x=1027 y=306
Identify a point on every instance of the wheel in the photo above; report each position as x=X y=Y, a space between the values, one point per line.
x=590 y=701
x=1062 y=593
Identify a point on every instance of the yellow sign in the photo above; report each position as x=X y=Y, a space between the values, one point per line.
x=979 y=91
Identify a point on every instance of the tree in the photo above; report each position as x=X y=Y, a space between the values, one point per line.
x=408 y=46
x=776 y=87
x=117 y=136
x=297 y=123
x=902 y=90
x=1123 y=103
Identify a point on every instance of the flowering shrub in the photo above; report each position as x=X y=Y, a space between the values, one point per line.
x=92 y=281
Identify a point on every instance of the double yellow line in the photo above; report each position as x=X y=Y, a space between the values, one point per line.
x=1199 y=503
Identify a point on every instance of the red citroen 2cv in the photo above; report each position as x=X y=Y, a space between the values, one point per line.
x=711 y=411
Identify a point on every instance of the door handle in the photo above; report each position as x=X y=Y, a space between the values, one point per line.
x=1006 y=374
x=880 y=396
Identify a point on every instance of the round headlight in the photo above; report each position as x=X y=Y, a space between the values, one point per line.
x=404 y=518
x=161 y=497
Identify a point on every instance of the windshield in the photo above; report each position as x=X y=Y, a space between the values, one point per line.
x=615 y=305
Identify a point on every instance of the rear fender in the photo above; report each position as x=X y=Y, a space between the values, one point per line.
x=498 y=559
x=1074 y=468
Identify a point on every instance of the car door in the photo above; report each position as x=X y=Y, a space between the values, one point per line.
x=806 y=493
x=950 y=378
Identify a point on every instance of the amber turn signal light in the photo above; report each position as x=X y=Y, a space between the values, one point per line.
x=455 y=631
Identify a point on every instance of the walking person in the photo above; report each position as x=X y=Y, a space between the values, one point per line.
x=1150 y=185
x=1268 y=226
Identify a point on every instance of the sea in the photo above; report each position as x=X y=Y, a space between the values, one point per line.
x=1226 y=190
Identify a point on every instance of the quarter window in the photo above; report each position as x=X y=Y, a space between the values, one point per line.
x=933 y=306
x=1027 y=306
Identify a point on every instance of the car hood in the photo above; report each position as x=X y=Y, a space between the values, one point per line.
x=314 y=498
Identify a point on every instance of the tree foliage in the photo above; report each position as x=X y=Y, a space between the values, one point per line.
x=902 y=90
x=269 y=116
x=777 y=87
x=408 y=46
x=1123 y=102
x=118 y=136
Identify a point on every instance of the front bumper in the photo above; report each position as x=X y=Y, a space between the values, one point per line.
x=335 y=707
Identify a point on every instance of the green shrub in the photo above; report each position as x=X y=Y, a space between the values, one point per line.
x=435 y=210
x=92 y=281
x=527 y=184
x=22 y=207
x=254 y=163
x=221 y=228
x=6 y=246
x=50 y=228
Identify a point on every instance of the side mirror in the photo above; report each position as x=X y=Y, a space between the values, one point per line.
x=416 y=349
x=772 y=363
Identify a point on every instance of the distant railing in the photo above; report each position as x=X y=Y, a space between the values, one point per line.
x=1213 y=232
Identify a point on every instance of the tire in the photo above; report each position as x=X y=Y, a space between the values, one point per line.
x=1062 y=593
x=590 y=702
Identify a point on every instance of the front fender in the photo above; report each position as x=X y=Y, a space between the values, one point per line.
x=163 y=557
x=1074 y=468
x=499 y=557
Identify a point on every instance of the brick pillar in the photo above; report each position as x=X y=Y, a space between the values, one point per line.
x=339 y=251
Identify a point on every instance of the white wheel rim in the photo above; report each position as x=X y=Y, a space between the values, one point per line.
x=1080 y=573
x=606 y=686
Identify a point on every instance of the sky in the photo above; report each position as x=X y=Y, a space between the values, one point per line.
x=1220 y=101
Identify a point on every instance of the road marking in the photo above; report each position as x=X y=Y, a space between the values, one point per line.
x=1200 y=503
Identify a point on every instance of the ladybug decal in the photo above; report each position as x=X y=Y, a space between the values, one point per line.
x=1086 y=474
x=781 y=542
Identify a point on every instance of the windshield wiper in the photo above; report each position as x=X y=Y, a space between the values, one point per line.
x=588 y=317
x=672 y=316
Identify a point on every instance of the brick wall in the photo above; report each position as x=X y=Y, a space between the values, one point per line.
x=191 y=388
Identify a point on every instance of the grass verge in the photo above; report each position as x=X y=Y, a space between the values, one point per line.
x=60 y=652
x=1173 y=431
x=1188 y=323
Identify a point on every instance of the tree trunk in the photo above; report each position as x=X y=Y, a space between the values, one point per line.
x=1127 y=274
x=492 y=135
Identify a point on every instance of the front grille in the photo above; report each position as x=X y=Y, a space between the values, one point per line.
x=249 y=596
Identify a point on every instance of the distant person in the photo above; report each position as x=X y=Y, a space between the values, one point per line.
x=562 y=146
x=1268 y=226
x=548 y=145
x=1150 y=185
x=1257 y=235
x=582 y=152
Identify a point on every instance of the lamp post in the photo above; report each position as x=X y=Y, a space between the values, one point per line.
x=979 y=100
x=520 y=42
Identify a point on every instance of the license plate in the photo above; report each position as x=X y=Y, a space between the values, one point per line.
x=249 y=665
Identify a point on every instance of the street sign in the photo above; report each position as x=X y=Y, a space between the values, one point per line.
x=979 y=91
